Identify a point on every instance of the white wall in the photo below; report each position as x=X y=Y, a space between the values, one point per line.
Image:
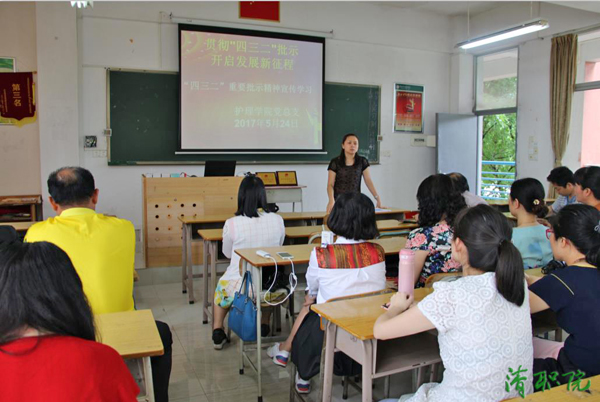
x=19 y=144
x=57 y=89
x=357 y=54
x=533 y=118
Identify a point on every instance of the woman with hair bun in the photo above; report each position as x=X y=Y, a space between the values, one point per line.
x=572 y=293
x=526 y=203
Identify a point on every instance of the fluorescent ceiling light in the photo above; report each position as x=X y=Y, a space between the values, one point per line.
x=517 y=30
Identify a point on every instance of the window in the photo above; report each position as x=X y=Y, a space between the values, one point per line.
x=496 y=105
x=585 y=120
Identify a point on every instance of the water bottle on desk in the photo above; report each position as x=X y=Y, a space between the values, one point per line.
x=406 y=269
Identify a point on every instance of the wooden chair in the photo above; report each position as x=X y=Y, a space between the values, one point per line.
x=443 y=277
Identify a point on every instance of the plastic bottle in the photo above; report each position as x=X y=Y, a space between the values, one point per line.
x=406 y=282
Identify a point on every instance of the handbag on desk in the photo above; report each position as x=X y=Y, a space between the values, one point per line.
x=242 y=315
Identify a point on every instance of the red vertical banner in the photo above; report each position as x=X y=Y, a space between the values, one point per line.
x=17 y=97
x=260 y=10
x=408 y=108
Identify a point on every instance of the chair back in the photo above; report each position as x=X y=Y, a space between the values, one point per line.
x=443 y=277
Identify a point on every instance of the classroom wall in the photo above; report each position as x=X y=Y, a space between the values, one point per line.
x=130 y=35
x=58 y=89
x=533 y=119
x=19 y=146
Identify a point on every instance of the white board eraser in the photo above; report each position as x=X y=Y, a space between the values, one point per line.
x=263 y=254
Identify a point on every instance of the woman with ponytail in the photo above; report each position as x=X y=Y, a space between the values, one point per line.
x=482 y=319
x=573 y=293
x=526 y=203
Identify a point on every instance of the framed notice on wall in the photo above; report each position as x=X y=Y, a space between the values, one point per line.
x=408 y=108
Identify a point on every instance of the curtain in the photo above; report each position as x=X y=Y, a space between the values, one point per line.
x=563 y=69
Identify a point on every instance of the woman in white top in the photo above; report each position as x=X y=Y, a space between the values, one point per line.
x=251 y=227
x=483 y=319
x=350 y=266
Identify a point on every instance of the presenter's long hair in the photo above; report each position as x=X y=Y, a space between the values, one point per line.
x=342 y=157
x=40 y=289
x=251 y=197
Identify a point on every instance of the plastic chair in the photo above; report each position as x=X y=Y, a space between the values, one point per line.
x=442 y=277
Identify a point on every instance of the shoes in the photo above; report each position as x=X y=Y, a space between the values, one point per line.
x=280 y=357
x=219 y=338
x=302 y=386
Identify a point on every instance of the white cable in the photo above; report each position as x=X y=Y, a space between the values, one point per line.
x=293 y=280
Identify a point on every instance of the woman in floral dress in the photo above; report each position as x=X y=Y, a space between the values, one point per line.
x=439 y=204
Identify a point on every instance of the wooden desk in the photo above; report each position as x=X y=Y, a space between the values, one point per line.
x=19 y=226
x=560 y=394
x=285 y=194
x=212 y=237
x=191 y=225
x=134 y=335
x=253 y=263
x=349 y=328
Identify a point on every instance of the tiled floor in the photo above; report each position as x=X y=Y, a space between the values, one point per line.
x=202 y=374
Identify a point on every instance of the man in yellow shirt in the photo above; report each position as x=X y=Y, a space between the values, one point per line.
x=102 y=249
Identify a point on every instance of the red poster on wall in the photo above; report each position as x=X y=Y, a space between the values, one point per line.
x=260 y=10
x=17 y=97
x=408 y=111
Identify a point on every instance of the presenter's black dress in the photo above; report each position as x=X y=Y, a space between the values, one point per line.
x=347 y=178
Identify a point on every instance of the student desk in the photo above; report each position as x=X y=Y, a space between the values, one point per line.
x=349 y=328
x=212 y=237
x=253 y=263
x=560 y=393
x=191 y=224
x=134 y=335
x=19 y=226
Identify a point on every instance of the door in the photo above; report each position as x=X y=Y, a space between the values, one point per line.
x=457 y=146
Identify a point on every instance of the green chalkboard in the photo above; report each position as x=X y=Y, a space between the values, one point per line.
x=144 y=118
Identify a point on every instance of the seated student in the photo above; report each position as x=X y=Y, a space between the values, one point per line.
x=102 y=249
x=48 y=350
x=563 y=181
x=482 y=319
x=461 y=185
x=587 y=188
x=348 y=267
x=572 y=293
x=439 y=203
x=251 y=227
x=526 y=203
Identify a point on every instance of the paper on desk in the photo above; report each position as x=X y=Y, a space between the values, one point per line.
x=382 y=210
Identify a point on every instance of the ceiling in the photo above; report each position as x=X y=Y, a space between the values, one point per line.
x=448 y=8
x=454 y=8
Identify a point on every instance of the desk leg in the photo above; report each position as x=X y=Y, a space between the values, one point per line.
x=330 y=335
x=214 y=252
x=244 y=269
x=190 y=265
x=148 y=379
x=183 y=257
x=367 y=372
x=257 y=283
x=205 y=247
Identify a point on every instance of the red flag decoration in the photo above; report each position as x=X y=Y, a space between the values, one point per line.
x=17 y=97
x=260 y=10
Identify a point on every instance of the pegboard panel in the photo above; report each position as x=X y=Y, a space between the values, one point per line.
x=166 y=199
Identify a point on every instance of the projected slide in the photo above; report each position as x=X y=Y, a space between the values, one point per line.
x=243 y=92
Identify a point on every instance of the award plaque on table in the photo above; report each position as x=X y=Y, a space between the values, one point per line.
x=268 y=178
x=287 y=178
